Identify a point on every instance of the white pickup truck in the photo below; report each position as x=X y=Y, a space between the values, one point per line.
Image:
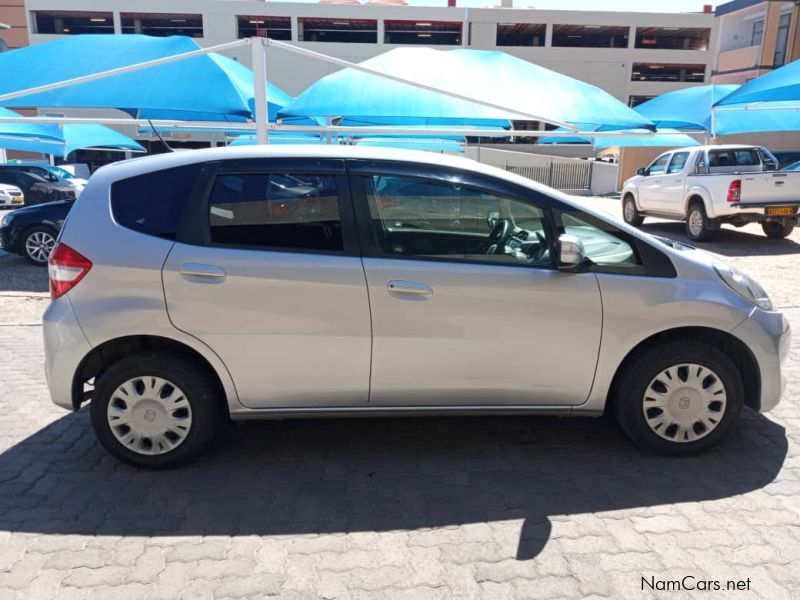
x=706 y=186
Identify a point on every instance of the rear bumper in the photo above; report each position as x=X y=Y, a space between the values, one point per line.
x=65 y=347
x=768 y=336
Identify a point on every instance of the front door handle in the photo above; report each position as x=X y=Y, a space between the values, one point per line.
x=405 y=288
x=201 y=273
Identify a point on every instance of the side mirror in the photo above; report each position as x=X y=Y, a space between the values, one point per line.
x=641 y=171
x=770 y=166
x=571 y=253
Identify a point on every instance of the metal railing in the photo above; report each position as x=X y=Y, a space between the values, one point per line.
x=571 y=175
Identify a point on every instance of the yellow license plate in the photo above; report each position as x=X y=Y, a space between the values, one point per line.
x=17 y=200
x=780 y=211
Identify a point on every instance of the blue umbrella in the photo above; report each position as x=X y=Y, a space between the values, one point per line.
x=51 y=139
x=209 y=86
x=490 y=76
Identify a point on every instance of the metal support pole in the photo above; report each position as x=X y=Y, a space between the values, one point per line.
x=259 y=54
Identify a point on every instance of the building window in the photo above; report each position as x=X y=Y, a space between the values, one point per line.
x=440 y=33
x=520 y=34
x=783 y=36
x=758 y=32
x=634 y=101
x=276 y=28
x=673 y=38
x=72 y=22
x=668 y=72
x=590 y=36
x=162 y=24
x=354 y=31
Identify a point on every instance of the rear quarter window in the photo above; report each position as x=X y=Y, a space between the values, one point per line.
x=153 y=203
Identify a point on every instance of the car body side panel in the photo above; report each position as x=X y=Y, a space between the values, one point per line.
x=636 y=308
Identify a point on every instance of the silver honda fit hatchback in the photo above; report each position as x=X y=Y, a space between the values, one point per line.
x=266 y=282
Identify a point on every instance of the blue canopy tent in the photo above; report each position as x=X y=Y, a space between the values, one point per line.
x=204 y=87
x=51 y=139
x=667 y=138
x=516 y=88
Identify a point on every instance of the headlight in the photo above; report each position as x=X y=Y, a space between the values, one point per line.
x=6 y=220
x=743 y=285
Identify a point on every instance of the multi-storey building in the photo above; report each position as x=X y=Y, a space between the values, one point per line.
x=755 y=36
x=634 y=56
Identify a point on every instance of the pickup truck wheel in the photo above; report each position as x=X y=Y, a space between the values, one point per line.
x=630 y=213
x=777 y=230
x=699 y=228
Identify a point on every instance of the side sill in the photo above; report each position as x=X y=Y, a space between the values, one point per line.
x=407 y=411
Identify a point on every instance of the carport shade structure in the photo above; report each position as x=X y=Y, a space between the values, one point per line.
x=489 y=76
x=691 y=109
x=204 y=87
x=666 y=138
x=51 y=139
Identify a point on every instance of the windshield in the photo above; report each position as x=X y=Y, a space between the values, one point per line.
x=61 y=173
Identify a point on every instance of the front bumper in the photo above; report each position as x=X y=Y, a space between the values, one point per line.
x=65 y=347
x=768 y=336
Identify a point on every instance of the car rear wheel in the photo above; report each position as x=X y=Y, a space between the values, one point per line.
x=155 y=411
x=630 y=213
x=37 y=243
x=699 y=228
x=678 y=398
x=777 y=230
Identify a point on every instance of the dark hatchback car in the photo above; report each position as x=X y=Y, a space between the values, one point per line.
x=37 y=190
x=32 y=231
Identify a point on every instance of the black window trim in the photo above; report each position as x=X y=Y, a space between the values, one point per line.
x=195 y=227
x=359 y=170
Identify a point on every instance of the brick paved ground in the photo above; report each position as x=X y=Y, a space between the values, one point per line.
x=412 y=508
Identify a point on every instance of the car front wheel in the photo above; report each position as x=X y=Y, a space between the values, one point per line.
x=155 y=411
x=630 y=213
x=678 y=398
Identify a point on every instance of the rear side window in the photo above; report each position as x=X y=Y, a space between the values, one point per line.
x=153 y=203
x=291 y=211
x=734 y=158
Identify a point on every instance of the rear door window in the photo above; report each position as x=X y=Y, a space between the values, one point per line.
x=153 y=203
x=678 y=162
x=277 y=211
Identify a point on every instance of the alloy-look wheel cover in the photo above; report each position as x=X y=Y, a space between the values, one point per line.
x=629 y=211
x=696 y=222
x=38 y=245
x=684 y=403
x=149 y=415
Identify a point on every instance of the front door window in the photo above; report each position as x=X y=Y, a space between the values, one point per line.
x=425 y=218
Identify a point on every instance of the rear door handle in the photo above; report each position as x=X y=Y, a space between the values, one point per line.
x=201 y=273
x=409 y=289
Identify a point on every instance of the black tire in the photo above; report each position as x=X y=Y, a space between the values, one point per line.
x=30 y=239
x=630 y=213
x=198 y=387
x=699 y=228
x=777 y=230
x=628 y=396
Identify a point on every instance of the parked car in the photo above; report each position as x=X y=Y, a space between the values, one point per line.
x=32 y=231
x=51 y=173
x=707 y=186
x=37 y=190
x=11 y=196
x=785 y=158
x=267 y=282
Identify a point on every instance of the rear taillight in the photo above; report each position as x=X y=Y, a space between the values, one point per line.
x=735 y=190
x=66 y=268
